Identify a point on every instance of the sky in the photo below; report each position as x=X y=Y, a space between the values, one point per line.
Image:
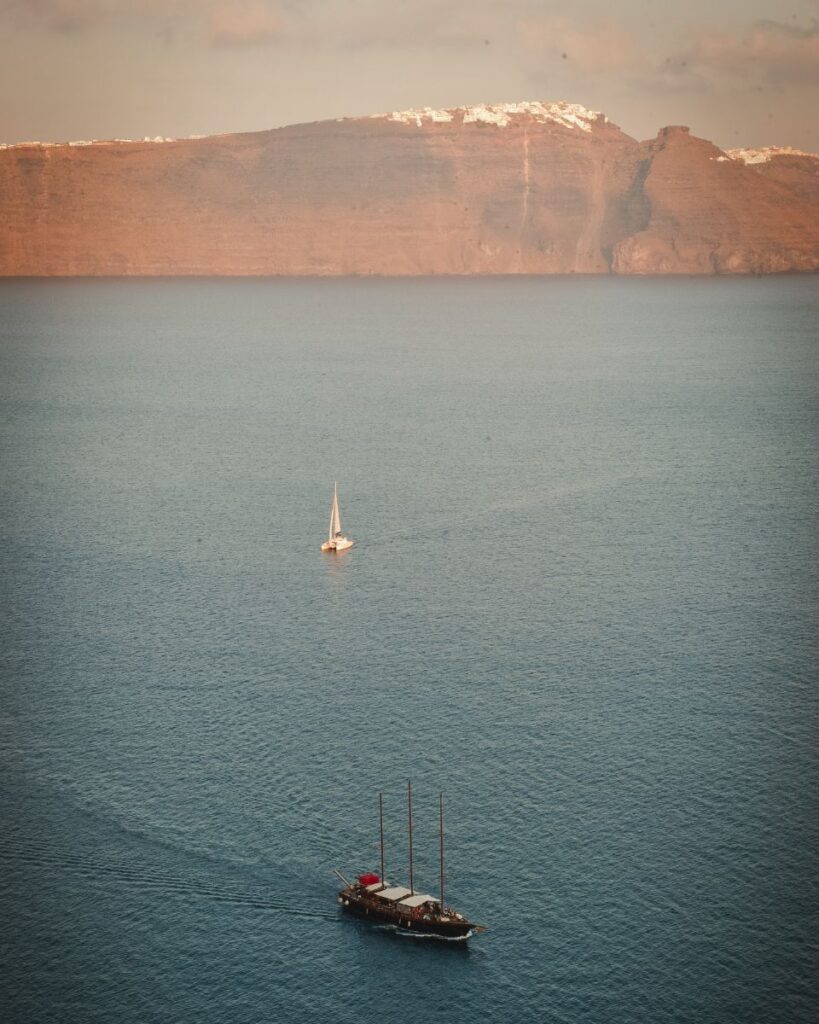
x=738 y=72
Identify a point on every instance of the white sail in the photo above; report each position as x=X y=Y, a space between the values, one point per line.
x=336 y=541
x=335 y=518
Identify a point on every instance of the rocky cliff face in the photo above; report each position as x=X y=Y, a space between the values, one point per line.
x=519 y=188
x=713 y=213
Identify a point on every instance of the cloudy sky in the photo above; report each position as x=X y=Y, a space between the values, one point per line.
x=739 y=72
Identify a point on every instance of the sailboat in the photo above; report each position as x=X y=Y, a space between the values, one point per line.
x=336 y=540
x=409 y=911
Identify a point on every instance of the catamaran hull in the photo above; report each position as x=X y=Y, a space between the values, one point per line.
x=451 y=930
x=330 y=545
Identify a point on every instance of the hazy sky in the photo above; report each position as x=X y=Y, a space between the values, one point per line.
x=739 y=72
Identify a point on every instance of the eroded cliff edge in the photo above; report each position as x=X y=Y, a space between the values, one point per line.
x=517 y=188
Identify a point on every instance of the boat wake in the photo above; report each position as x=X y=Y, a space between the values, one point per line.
x=33 y=855
x=405 y=933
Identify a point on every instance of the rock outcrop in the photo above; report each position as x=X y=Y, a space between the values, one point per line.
x=714 y=213
x=525 y=188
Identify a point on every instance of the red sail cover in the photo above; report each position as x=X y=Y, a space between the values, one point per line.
x=369 y=879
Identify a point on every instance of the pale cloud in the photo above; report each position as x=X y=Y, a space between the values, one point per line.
x=338 y=24
x=218 y=22
x=596 y=46
x=245 y=23
x=771 y=52
x=423 y=23
x=59 y=15
x=600 y=46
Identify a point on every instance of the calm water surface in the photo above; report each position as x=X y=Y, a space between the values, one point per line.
x=582 y=603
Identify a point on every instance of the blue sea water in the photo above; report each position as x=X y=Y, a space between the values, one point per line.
x=582 y=603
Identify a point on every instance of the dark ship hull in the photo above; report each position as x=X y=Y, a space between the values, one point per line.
x=452 y=928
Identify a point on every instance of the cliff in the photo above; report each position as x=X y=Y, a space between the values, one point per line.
x=526 y=188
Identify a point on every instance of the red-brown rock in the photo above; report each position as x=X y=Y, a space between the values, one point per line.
x=525 y=188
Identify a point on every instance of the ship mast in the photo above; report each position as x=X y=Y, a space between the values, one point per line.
x=441 y=810
x=409 y=809
x=381 y=830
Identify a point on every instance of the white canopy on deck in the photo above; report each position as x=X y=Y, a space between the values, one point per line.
x=417 y=900
x=398 y=892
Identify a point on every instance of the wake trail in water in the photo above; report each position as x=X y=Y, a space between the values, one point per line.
x=40 y=856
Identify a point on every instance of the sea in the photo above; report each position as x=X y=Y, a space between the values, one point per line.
x=581 y=604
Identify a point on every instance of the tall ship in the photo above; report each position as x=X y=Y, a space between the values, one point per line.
x=336 y=541
x=409 y=911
